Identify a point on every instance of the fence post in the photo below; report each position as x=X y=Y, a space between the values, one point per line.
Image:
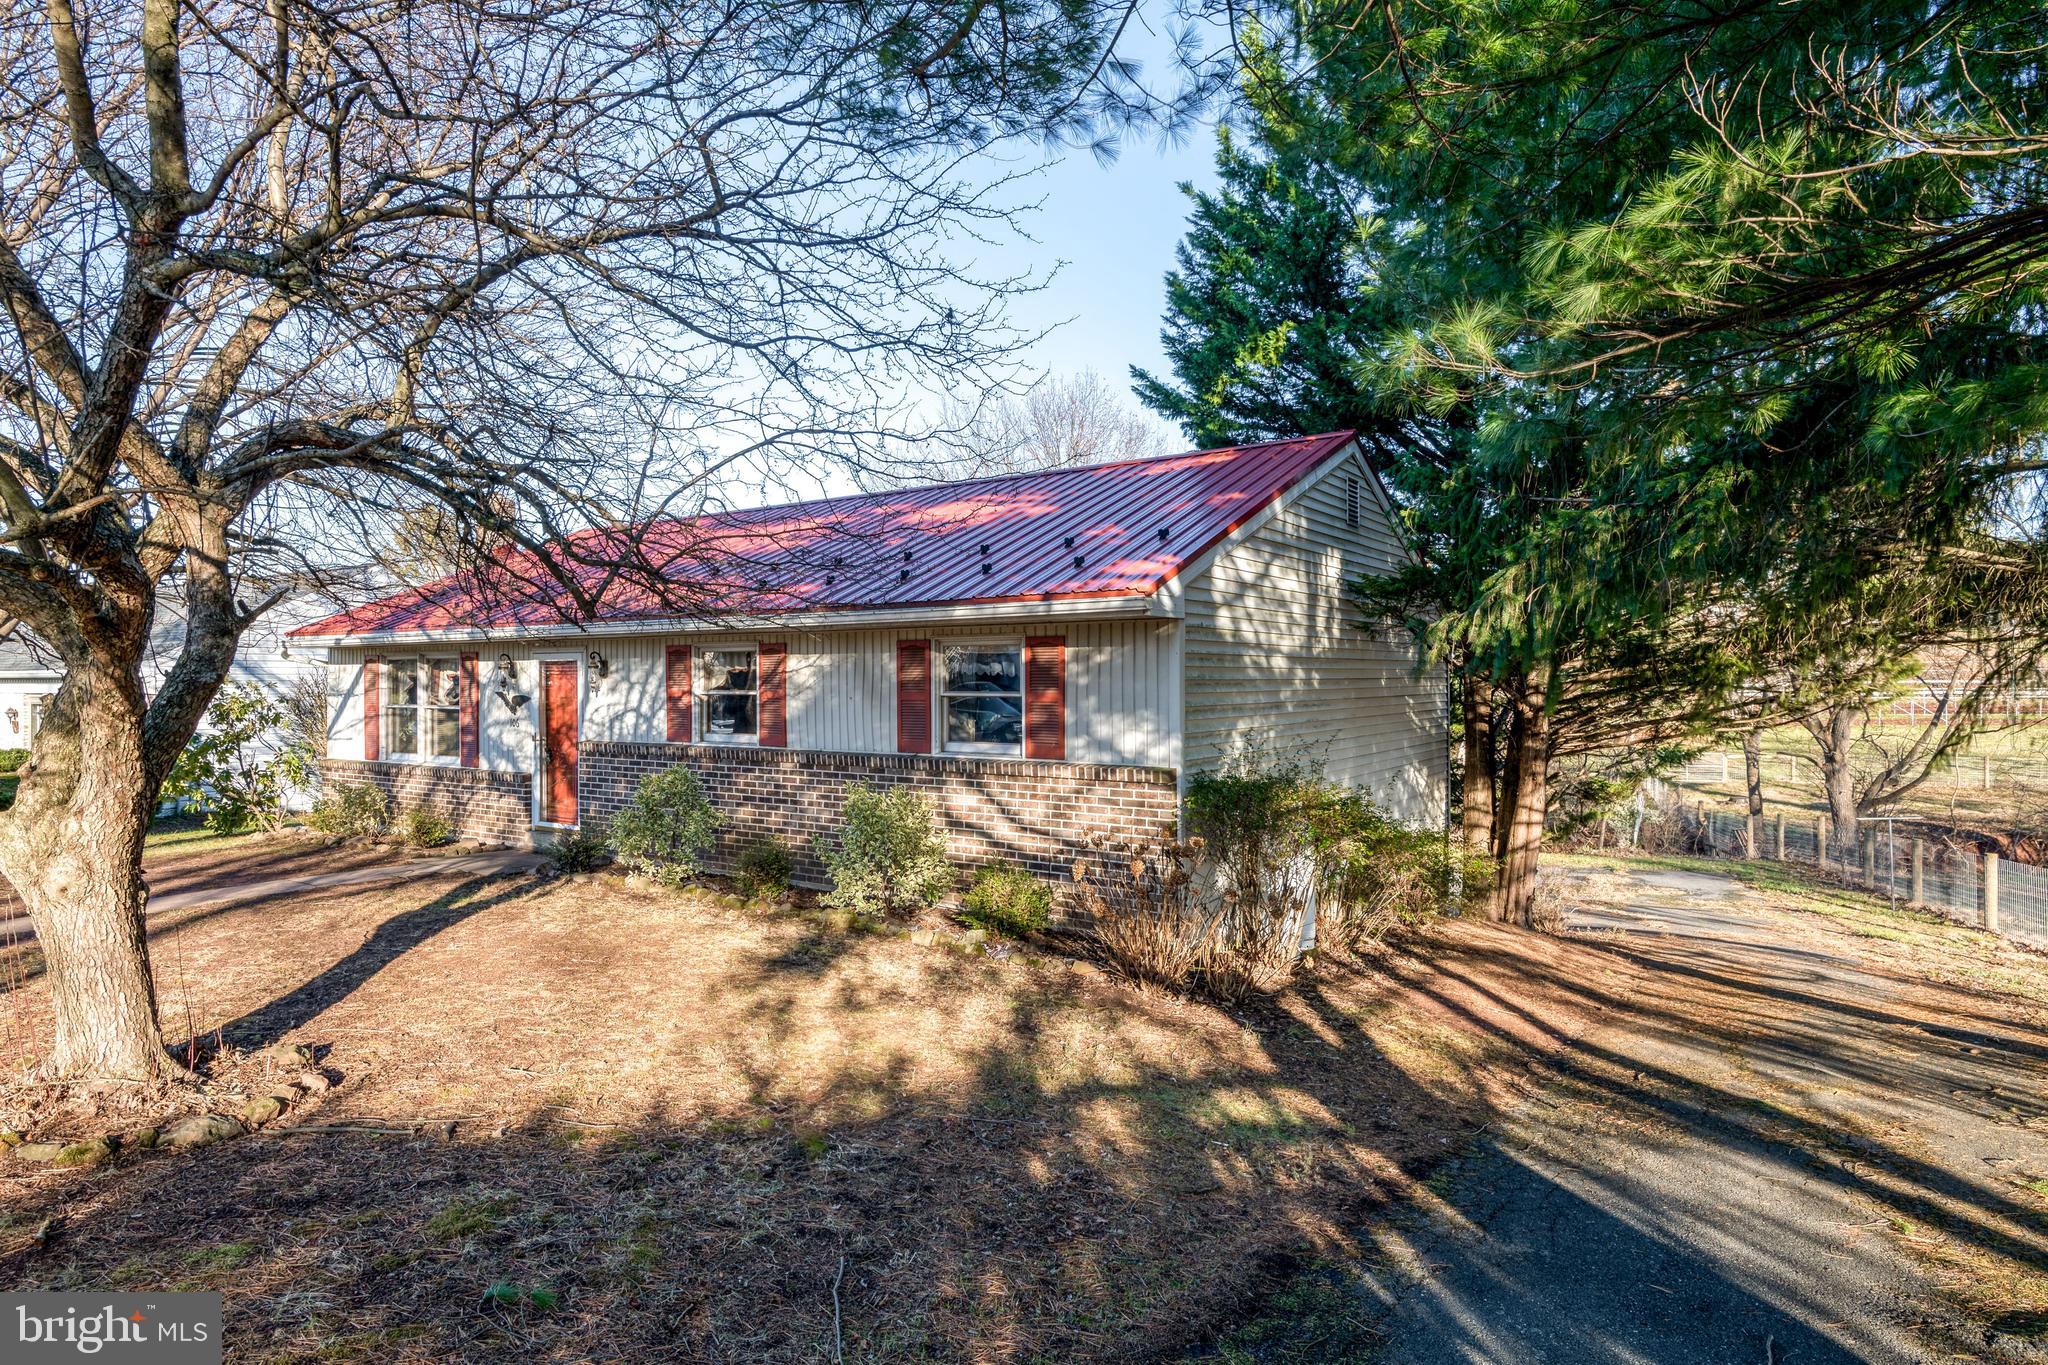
x=1781 y=836
x=1820 y=841
x=1869 y=859
x=1724 y=765
x=1987 y=771
x=1919 y=872
x=1991 y=892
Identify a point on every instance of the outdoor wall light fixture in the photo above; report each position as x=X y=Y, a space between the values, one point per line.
x=507 y=684
x=599 y=665
x=14 y=720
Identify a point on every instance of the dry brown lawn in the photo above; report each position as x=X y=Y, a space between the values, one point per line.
x=685 y=1129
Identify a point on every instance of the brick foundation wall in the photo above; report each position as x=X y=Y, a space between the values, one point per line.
x=487 y=807
x=1034 y=813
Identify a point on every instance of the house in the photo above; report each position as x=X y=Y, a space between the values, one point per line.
x=1049 y=654
x=30 y=671
x=28 y=680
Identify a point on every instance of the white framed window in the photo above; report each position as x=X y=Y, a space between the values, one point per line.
x=732 y=696
x=981 y=698
x=423 y=709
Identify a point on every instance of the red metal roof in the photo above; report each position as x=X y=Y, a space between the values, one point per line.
x=1096 y=531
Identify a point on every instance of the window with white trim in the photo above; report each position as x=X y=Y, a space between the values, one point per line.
x=981 y=698
x=732 y=696
x=423 y=709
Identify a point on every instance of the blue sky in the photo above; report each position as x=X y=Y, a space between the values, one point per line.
x=1115 y=228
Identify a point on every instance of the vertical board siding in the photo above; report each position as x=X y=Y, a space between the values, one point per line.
x=1122 y=701
x=1278 y=659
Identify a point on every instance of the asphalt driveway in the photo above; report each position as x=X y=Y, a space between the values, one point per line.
x=1741 y=1179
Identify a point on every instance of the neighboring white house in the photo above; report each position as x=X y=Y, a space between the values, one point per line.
x=267 y=657
x=1051 y=655
x=28 y=679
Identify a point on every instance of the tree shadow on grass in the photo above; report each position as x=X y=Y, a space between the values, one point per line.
x=390 y=941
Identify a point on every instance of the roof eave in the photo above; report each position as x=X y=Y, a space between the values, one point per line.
x=1070 y=607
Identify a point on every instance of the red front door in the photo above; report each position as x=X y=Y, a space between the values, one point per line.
x=558 y=741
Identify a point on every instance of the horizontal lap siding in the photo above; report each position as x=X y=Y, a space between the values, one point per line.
x=1276 y=656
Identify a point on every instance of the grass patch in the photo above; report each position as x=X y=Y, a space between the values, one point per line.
x=214 y=1259
x=1317 y=1318
x=181 y=834
x=681 y=1115
x=462 y=1219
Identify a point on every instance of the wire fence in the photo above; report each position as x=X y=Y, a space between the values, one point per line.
x=1969 y=772
x=1951 y=879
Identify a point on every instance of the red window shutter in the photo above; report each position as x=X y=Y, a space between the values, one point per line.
x=466 y=718
x=373 y=705
x=913 y=696
x=679 y=696
x=774 y=697
x=1045 y=696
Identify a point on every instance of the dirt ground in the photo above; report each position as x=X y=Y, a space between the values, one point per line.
x=686 y=1129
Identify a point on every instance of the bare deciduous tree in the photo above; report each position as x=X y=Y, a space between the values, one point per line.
x=1076 y=419
x=1866 y=768
x=276 y=268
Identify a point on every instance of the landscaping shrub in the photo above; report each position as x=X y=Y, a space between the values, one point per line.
x=422 y=828
x=890 y=856
x=1007 y=900
x=762 y=868
x=234 y=768
x=11 y=760
x=1592 y=794
x=351 y=810
x=1146 y=909
x=1226 y=911
x=667 y=827
x=1390 y=877
x=577 y=851
x=1273 y=832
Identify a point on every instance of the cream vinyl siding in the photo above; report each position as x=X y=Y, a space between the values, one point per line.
x=1123 y=688
x=1276 y=657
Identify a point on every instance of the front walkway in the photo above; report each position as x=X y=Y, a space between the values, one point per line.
x=1792 y=1158
x=232 y=891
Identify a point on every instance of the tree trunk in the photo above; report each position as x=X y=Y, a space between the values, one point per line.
x=1476 y=787
x=1527 y=801
x=1508 y=778
x=1753 y=783
x=1838 y=775
x=72 y=847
